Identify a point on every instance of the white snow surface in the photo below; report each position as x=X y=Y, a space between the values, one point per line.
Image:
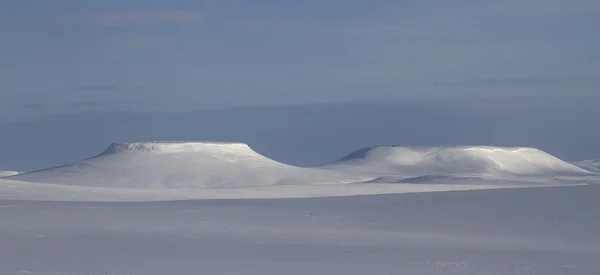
x=524 y=231
x=458 y=160
x=221 y=208
x=182 y=165
x=8 y=173
x=19 y=190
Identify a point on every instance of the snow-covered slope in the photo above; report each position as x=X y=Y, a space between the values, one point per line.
x=536 y=231
x=8 y=173
x=31 y=191
x=473 y=160
x=189 y=165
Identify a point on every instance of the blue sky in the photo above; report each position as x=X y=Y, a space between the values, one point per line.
x=65 y=55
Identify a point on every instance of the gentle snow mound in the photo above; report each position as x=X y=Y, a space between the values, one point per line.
x=177 y=165
x=8 y=173
x=457 y=160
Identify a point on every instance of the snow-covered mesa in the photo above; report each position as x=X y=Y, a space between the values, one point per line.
x=474 y=160
x=201 y=170
x=181 y=165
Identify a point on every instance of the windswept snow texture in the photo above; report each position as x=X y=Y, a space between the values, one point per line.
x=534 y=231
x=592 y=165
x=181 y=165
x=20 y=190
x=8 y=173
x=474 y=160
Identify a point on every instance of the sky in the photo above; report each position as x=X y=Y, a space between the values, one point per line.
x=313 y=134
x=68 y=55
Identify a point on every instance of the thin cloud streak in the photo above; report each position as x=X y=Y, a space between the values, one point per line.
x=26 y=107
x=524 y=81
x=95 y=88
x=143 y=18
x=86 y=104
x=263 y=24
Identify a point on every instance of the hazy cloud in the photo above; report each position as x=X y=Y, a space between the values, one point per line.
x=563 y=86
x=259 y=24
x=286 y=54
x=524 y=81
x=26 y=107
x=143 y=18
x=96 y=88
x=86 y=104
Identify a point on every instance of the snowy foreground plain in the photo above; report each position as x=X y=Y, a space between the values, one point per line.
x=221 y=208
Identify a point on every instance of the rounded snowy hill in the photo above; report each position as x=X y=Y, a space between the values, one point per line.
x=463 y=160
x=189 y=165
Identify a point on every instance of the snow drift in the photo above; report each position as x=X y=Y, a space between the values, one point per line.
x=8 y=173
x=189 y=165
x=469 y=160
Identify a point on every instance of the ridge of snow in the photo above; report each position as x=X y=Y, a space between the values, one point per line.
x=456 y=160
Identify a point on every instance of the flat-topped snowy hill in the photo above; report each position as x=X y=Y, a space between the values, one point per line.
x=190 y=165
x=211 y=170
x=463 y=160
